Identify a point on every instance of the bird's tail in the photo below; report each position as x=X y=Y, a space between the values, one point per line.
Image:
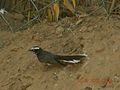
x=72 y=59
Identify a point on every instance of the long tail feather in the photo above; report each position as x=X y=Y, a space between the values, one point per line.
x=72 y=59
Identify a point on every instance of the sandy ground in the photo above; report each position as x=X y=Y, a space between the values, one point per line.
x=98 y=37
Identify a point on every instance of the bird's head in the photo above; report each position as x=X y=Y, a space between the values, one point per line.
x=35 y=49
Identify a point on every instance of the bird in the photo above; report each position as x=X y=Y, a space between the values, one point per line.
x=50 y=58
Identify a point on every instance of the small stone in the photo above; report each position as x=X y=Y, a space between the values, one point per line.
x=8 y=61
x=59 y=30
x=84 y=28
x=18 y=16
x=56 y=85
x=90 y=28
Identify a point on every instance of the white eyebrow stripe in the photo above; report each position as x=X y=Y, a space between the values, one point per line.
x=35 y=48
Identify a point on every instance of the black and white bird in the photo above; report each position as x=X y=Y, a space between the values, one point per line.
x=50 y=58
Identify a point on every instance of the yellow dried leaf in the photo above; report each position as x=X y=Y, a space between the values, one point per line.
x=74 y=3
x=56 y=10
x=69 y=6
x=50 y=14
x=53 y=13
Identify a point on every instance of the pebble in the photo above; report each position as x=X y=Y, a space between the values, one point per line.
x=59 y=30
x=84 y=28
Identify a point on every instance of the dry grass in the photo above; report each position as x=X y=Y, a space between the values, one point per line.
x=36 y=11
